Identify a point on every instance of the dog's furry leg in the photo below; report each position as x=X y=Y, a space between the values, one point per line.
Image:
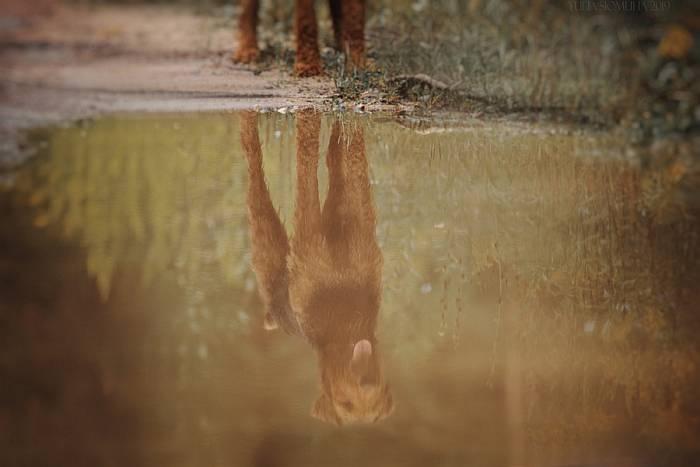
x=269 y=239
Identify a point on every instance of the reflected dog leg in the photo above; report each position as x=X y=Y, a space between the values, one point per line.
x=348 y=212
x=307 y=213
x=359 y=201
x=332 y=215
x=270 y=245
x=307 y=240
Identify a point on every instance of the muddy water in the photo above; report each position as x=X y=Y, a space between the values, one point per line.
x=490 y=295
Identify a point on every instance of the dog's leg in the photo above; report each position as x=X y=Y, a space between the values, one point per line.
x=357 y=174
x=349 y=201
x=353 y=28
x=336 y=8
x=307 y=212
x=308 y=59
x=268 y=237
x=332 y=215
x=358 y=191
x=349 y=218
x=247 y=51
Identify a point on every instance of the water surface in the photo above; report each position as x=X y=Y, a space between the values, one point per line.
x=537 y=301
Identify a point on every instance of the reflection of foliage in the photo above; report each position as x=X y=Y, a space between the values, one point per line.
x=567 y=251
x=539 y=204
x=515 y=257
x=159 y=191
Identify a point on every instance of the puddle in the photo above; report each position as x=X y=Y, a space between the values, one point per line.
x=492 y=296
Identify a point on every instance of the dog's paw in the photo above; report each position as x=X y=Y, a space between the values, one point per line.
x=246 y=55
x=269 y=323
x=307 y=70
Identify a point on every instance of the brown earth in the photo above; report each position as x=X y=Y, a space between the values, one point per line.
x=63 y=62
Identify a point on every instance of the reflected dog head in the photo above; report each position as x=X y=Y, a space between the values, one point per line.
x=324 y=283
x=353 y=386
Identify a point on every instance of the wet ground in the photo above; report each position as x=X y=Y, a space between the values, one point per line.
x=65 y=62
x=537 y=298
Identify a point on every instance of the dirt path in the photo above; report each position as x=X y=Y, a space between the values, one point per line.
x=78 y=62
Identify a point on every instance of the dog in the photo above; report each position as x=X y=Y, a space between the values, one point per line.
x=324 y=285
x=348 y=18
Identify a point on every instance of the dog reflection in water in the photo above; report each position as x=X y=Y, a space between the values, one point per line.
x=324 y=285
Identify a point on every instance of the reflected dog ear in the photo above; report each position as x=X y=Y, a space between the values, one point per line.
x=388 y=406
x=324 y=410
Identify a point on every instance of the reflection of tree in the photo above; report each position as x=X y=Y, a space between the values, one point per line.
x=580 y=226
x=163 y=192
x=158 y=206
x=589 y=266
x=586 y=273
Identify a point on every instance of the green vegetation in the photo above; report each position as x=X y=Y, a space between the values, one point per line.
x=556 y=60
x=633 y=64
x=544 y=58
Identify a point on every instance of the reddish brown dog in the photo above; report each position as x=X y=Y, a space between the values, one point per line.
x=348 y=25
x=326 y=285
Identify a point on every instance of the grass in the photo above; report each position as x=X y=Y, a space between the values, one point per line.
x=540 y=58
x=558 y=60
